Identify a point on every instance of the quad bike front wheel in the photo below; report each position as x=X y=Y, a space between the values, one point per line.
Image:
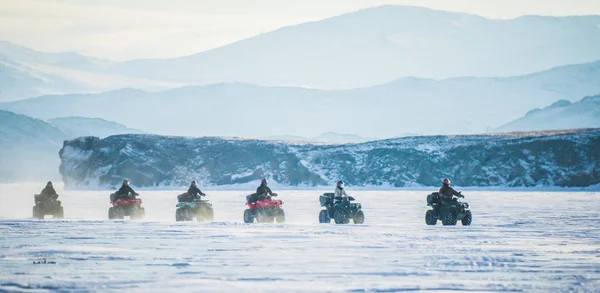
x=280 y=216
x=248 y=216
x=60 y=213
x=359 y=218
x=115 y=213
x=449 y=219
x=178 y=215
x=324 y=217
x=340 y=217
x=466 y=221
x=430 y=218
x=37 y=213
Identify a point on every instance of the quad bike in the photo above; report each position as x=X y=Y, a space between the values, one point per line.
x=122 y=207
x=265 y=209
x=342 y=210
x=47 y=206
x=188 y=210
x=449 y=212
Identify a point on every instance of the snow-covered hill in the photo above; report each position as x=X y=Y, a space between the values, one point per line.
x=380 y=44
x=410 y=105
x=26 y=73
x=29 y=147
x=560 y=115
x=82 y=126
x=565 y=159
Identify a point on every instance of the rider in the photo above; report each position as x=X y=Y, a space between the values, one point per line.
x=447 y=192
x=48 y=193
x=339 y=190
x=193 y=192
x=263 y=189
x=126 y=192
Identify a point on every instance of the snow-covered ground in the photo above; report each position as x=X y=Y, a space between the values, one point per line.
x=519 y=241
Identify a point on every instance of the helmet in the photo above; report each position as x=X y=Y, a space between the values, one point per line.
x=340 y=184
x=125 y=182
x=446 y=181
x=264 y=182
x=194 y=183
x=49 y=183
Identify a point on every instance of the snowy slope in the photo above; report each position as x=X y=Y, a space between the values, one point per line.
x=514 y=245
x=26 y=73
x=560 y=115
x=83 y=126
x=410 y=105
x=380 y=44
x=565 y=159
x=28 y=148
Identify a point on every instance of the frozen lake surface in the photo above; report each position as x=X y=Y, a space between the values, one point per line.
x=519 y=241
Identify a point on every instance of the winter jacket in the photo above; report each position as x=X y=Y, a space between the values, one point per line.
x=195 y=191
x=125 y=190
x=49 y=193
x=446 y=192
x=263 y=189
x=340 y=192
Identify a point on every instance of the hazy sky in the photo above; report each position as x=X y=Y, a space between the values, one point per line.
x=131 y=29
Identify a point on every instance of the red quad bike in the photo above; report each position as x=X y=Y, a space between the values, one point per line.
x=131 y=207
x=264 y=209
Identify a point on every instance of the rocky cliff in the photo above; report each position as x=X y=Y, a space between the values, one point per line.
x=561 y=159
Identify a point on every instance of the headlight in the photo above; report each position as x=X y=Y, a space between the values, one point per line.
x=465 y=205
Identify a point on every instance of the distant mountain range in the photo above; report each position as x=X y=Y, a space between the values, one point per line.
x=561 y=115
x=541 y=159
x=26 y=73
x=381 y=44
x=29 y=147
x=81 y=126
x=408 y=105
x=359 y=49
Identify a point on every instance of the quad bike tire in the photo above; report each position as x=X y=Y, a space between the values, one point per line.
x=340 y=217
x=60 y=214
x=324 y=217
x=449 y=219
x=179 y=215
x=140 y=213
x=359 y=218
x=280 y=216
x=248 y=216
x=466 y=221
x=114 y=213
x=37 y=213
x=430 y=218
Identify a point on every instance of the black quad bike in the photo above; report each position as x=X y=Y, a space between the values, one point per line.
x=449 y=212
x=340 y=209
x=47 y=206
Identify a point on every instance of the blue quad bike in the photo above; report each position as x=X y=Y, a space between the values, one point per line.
x=340 y=209
x=198 y=209
x=449 y=212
